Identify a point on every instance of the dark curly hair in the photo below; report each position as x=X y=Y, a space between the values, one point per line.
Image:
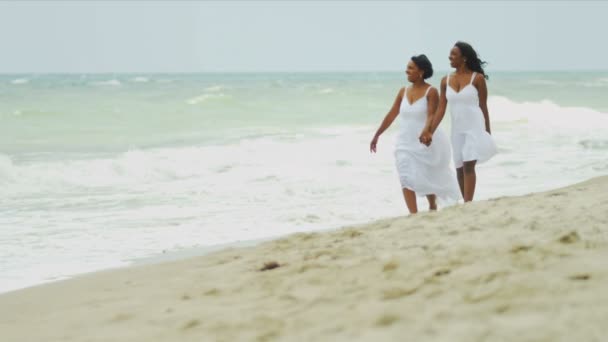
x=472 y=59
x=423 y=63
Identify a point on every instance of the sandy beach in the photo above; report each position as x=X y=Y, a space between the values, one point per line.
x=529 y=268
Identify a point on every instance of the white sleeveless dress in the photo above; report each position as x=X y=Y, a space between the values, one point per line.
x=470 y=140
x=423 y=169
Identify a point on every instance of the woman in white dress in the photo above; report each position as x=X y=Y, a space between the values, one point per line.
x=467 y=94
x=423 y=170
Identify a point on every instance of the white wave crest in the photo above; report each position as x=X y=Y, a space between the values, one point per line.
x=20 y=81
x=204 y=98
x=545 y=114
x=544 y=82
x=140 y=79
x=215 y=88
x=112 y=82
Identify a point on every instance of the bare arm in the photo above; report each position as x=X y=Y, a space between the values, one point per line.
x=482 y=90
x=392 y=113
x=441 y=107
x=433 y=101
x=388 y=119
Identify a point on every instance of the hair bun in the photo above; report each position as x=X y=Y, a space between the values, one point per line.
x=424 y=64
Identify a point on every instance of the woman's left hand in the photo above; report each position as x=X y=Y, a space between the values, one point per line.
x=426 y=138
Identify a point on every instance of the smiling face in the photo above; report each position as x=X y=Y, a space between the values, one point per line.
x=456 y=57
x=413 y=72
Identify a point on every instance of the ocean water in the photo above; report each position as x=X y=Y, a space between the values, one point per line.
x=97 y=171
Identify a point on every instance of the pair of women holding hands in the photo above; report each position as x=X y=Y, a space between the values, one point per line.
x=422 y=153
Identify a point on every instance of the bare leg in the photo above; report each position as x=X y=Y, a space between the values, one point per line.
x=410 y=200
x=432 y=202
x=470 y=179
x=460 y=176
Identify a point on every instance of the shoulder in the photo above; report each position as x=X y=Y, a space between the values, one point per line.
x=479 y=78
x=401 y=92
x=433 y=92
x=444 y=80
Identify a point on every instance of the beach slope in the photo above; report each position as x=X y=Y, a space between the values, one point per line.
x=529 y=268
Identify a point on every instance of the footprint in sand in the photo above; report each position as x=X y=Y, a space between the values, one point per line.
x=485 y=287
x=398 y=292
x=121 y=317
x=352 y=233
x=386 y=320
x=441 y=272
x=571 y=237
x=501 y=309
x=580 y=277
x=521 y=248
x=191 y=324
x=212 y=292
x=390 y=266
x=319 y=254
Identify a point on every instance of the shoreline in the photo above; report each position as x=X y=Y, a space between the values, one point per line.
x=158 y=258
x=530 y=267
x=175 y=255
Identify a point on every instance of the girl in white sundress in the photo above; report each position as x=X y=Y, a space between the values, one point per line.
x=467 y=94
x=423 y=170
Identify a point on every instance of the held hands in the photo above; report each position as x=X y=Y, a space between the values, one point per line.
x=426 y=138
x=372 y=145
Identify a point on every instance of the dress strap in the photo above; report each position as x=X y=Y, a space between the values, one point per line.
x=473 y=77
x=427 y=90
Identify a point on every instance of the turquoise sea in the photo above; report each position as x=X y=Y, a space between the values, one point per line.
x=99 y=170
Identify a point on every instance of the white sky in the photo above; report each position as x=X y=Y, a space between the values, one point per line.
x=164 y=36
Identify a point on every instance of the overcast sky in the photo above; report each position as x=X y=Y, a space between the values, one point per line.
x=164 y=36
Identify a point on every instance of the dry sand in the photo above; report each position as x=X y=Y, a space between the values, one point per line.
x=531 y=268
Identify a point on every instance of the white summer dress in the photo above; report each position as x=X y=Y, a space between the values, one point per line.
x=470 y=140
x=423 y=169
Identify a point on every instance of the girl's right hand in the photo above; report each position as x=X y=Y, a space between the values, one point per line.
x=372 y=145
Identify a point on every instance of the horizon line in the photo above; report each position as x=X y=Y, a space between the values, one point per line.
x=270 y=72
